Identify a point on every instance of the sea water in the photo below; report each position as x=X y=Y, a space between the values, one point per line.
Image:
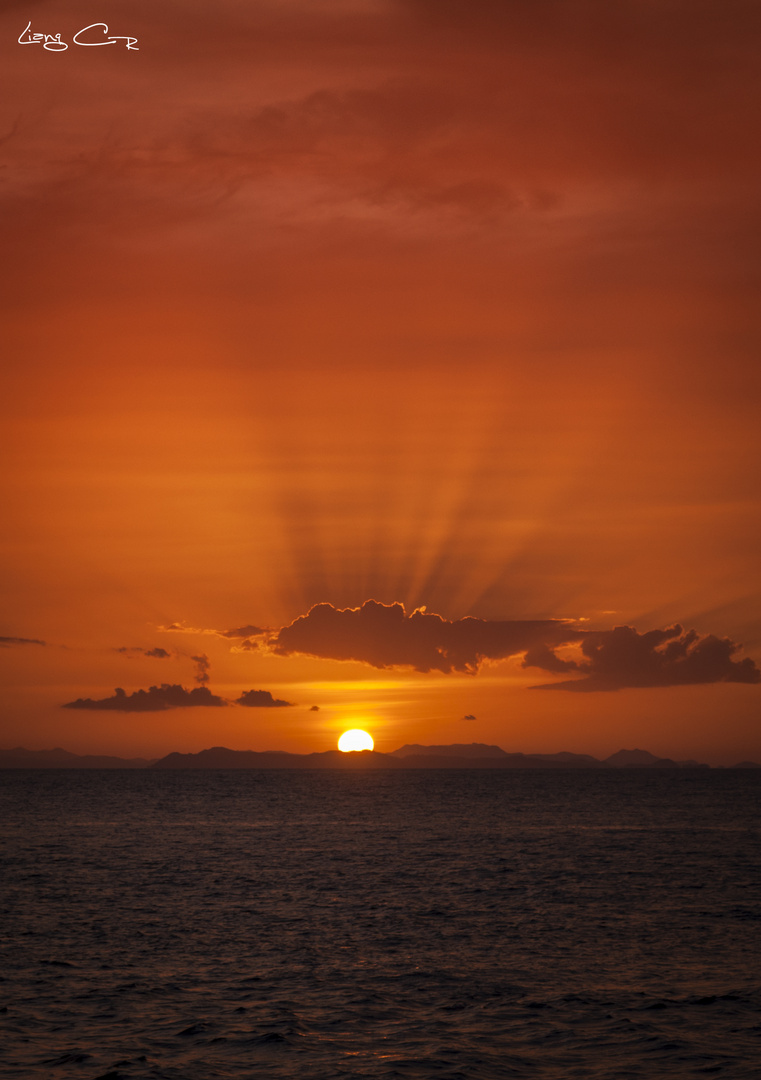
x=190 y=925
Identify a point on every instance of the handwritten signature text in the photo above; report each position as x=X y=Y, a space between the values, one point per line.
x=89 y=36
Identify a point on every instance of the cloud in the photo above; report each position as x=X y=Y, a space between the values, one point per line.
x=481 y=99
x=542 y=656
x=7 y=642
x=245 y=646
x=260 y=699
x=133 y=651
x=315 y=708
x=201 y=660
x=384 y=636
x=203 y=664
x=622 y=658
x=156 y=699
x=237 y=632
x=469 y=716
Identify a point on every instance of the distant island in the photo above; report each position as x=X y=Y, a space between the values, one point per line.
x=410 y=756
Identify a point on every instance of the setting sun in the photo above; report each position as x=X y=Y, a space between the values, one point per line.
x=356 y=739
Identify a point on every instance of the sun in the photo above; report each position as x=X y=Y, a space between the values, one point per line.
x=356 y=739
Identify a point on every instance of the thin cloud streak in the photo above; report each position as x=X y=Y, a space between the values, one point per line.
x=239 y=632
x=134 y=651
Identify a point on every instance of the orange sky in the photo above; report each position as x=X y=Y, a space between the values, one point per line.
x=433 y=302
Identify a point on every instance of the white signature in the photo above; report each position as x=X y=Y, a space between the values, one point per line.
x=53 y=43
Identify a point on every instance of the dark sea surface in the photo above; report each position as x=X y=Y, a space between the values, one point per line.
x=190 y=925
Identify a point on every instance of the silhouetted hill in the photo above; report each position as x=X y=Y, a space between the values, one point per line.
x=465 y=750
x=219 y=757
x=410 y=756
x=746 y=765
x=569 y=760
x=483 y=755
x=502 y=761
x=19 y=758
x=643 y=759
x=632 y=759
x=422 y=757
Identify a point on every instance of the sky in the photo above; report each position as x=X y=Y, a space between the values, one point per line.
x=381 y=363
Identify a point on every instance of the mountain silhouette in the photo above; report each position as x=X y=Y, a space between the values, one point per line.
x=409 y=756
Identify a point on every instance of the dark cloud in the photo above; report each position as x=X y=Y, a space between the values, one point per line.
x=241 y=632
x=245 y=646
x=542 y=656
x=202 y=668
x=622 y=657
x=469 y=716
x=7 y=642
x=156 y=699
x=156 y=654
x=201 y=660
x=260 y=699
x=384 y=636
x=315 y=708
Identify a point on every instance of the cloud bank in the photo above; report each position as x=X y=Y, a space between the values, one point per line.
x=156 y=699
x=7 y=642
x=166 y=696
x=623 y=658
x=384 y=636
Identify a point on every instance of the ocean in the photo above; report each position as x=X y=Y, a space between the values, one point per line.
x=191 y=925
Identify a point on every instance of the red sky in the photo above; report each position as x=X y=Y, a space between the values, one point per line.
x=431 y=302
